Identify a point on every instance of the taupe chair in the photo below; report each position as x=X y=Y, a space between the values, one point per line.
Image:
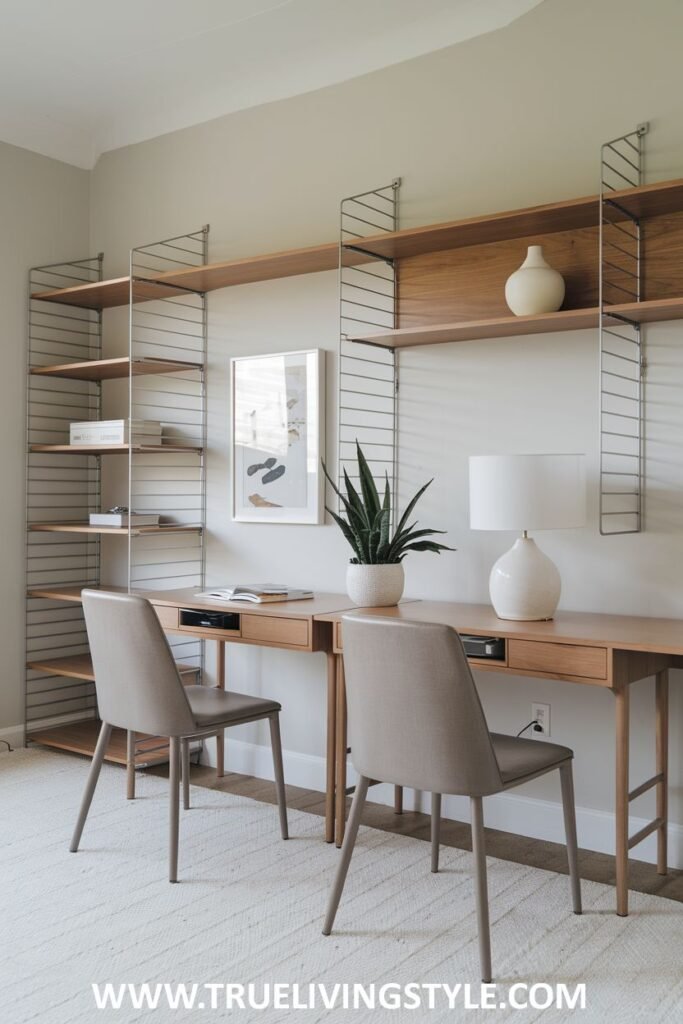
x=139 y=689
x=415 y=720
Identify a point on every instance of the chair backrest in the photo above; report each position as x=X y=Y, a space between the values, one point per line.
x=415 y=718
x=137 y=682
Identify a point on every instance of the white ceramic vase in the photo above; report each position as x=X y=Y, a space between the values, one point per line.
x=524 y=583
x=535 y=287
x=375 y=586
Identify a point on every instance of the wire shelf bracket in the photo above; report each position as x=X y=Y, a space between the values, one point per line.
x=621 y=361
x=368 y=375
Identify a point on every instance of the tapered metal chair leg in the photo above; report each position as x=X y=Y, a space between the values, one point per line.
x=436 y=830
x=185 y=772
x=479 y=850
x=93 y=776
x=569 y=809
x=276 y=745
x=174 y=807
x=346 y=852
x=130 y=765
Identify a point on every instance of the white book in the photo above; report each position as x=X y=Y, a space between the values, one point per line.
x=124 y=519
x=256 y=593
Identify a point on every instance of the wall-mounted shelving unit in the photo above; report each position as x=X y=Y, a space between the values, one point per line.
x=162 y=377
x=620 y=254
x=451 y=277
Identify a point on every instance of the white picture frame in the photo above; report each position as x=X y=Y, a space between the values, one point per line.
x=278 y=437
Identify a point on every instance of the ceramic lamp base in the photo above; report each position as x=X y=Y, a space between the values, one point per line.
x=524 y=583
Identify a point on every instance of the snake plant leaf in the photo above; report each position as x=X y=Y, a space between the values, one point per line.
x=355 y=499
x=411 y=505
x=367 y=484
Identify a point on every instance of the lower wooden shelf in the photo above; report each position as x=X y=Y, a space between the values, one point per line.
x=81 y=738
x=122 y=531
x=79 y=666
x=648 y=311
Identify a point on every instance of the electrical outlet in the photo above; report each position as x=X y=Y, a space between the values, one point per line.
x=541 y=714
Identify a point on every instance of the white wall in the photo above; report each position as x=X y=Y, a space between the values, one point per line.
x=43 y=218
x=511 y=119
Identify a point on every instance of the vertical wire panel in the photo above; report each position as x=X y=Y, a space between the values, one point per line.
x=172 y=326
x=59 y=488
x=621 y=340
x=368 y=380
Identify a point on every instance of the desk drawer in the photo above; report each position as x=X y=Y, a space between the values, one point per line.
x=271 y=629
x=558 y=659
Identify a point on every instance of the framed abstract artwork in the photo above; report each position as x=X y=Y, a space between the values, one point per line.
x=278 y=418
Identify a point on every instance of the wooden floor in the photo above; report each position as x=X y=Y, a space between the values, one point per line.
x=596 y=867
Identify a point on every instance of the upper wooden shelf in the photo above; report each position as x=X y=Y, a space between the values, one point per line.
x=645 y=201
x=570 y=214
x=206 y=278
x=114 y=369
x=116 y=449
x=514 y=326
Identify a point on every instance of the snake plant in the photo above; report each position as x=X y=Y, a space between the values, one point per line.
x=367 y=524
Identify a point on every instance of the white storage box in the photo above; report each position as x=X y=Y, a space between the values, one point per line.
x=100 y=432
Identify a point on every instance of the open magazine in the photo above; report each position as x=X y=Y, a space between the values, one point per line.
x=256 y=593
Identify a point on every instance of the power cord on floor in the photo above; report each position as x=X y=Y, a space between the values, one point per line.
x=534 y=722
x=9 y=748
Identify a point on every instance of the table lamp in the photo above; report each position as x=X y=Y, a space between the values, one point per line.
x=526 y=492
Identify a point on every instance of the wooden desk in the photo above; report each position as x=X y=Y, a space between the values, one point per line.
x=288 y=625
x=609 y=651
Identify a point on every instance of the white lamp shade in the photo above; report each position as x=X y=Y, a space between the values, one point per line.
x=527 y=492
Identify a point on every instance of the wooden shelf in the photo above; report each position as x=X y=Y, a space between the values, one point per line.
x=116 y=449
x=646 y=201
x=79 y=666
x=121 y=531
x=71 y=593
x=206 y=278
x=513 y=326
x=114 y=369
x=81 y=738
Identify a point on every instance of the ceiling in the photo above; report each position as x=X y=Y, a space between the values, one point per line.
x=80 y=77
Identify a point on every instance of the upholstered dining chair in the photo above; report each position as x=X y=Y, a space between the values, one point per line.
x=415 y=720
x=139 y=689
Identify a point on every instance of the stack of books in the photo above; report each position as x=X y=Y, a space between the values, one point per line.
x=103 y=432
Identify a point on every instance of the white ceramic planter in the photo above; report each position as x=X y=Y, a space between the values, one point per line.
x=535 y=287
x=375 y=586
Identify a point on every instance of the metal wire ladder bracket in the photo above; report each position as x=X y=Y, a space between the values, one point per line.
x=59 y=486
x=368 y=375
x=172 y=326
x=622 y=365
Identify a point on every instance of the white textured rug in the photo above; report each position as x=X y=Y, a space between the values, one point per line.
x=249 y=908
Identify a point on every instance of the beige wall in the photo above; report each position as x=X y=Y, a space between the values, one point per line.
x=512 y=118
x=43 y=218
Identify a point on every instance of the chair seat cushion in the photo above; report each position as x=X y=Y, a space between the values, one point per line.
x=519 y=758
x=211 y=706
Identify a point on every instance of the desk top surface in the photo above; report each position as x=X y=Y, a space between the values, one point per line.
x=309 y=608
x=625 y=632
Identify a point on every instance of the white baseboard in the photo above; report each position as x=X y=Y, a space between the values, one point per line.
x=508 y=812
x=14 y=735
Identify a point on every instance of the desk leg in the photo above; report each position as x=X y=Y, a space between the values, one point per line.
x=220 y=683
x=398 y=799
x=622 y=801
x=340 y=799
x=330 y=763
x=662 y=764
